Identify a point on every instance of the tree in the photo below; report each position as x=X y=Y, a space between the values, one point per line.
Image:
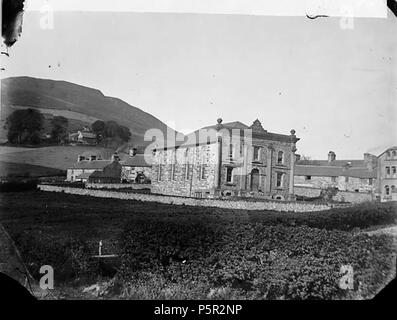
x=59 y=128
x=24 y=126
x=98 y=127
x=124 y=133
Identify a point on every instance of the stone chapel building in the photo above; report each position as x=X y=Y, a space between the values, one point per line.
x=227 y=159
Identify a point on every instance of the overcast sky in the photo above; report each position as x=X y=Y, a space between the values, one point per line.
x=336 y=87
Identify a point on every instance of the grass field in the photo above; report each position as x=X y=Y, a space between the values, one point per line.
x=223 y=253
x=55 y=157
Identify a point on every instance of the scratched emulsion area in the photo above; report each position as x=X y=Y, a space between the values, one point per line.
x=12 y=14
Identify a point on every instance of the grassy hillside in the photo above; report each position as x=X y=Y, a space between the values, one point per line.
x=26 y=170
x=62 y=95
x=56 y=157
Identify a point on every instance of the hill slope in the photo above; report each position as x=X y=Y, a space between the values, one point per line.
x=62 y=95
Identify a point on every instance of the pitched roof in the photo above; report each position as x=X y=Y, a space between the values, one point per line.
x=194 y=138
x=84 y=175
x=388 y=149
x=137 y=161
x=94 y=164
x=112 y=170
x=334 y=163
x=89 y=135
x=229 y=125
x=333 y=171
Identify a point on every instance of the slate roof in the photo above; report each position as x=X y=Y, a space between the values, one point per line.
x=84 y=175
x=333 y=171
x=257 y=131
x=95 y=164
x=136 y=161
x=88 y=135
x=388 y=149
x=335 y=163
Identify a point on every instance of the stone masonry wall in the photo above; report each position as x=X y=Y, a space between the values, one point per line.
x=341 y=196
x=227 y=204
x=132 y=186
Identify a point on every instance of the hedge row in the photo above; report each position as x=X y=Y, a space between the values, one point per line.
x=359 y=216
x=18 y=185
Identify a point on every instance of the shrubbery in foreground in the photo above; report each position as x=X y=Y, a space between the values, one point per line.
x=170 y=259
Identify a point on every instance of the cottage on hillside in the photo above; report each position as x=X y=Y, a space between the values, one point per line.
x=85 y=137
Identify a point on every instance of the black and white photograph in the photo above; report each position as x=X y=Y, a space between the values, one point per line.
x=183 y=150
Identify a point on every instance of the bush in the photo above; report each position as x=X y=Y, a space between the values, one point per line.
x=18 y=185
x=70 y=258
x=252 y=259
x=360 y=216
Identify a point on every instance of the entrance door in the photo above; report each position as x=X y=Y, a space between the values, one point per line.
x=254 y=179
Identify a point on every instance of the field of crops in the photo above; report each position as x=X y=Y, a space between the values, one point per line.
x=178 y=252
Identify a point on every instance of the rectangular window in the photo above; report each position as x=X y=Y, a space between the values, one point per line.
x=279 y=180
x=172 y=176
x=159 y=173
x=333 y=179
x=370 y=181
x=257 y=153
x=229 y=175
x=231 y=152
x=346 y=179
x=173 y=163
x=308 y=177
x=187 y=173
x=280 y=157
x=387 y=170
x=393 y=170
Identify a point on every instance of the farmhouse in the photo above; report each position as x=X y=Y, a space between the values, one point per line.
x=387 y=164
x=83 y=137
x=116 y=168
x=227 y=159
x=312 y=176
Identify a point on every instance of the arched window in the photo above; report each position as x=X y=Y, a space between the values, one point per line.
x=387 y=190
x=280 y=157
x=394 y=153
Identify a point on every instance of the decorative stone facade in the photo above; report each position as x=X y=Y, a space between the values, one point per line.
x=282 y=206
x=235 y=160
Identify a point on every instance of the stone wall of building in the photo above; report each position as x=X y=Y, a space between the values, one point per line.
x=237 y=157
x=349 y=184
x=185 y=171
x=130 y=173
x=340 y=196
x=71 y=174
x=387 y=174
x=227 y=204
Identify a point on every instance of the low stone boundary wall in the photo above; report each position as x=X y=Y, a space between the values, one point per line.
x=341 y=196
x=227 y=204
x=117 y=186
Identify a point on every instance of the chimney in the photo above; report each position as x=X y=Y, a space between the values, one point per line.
x=80 y=158
x=132 y=152
x=115 y=157
x=370 y=161
x=331 y=156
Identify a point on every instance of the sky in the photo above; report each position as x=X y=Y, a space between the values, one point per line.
x=337 y=87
